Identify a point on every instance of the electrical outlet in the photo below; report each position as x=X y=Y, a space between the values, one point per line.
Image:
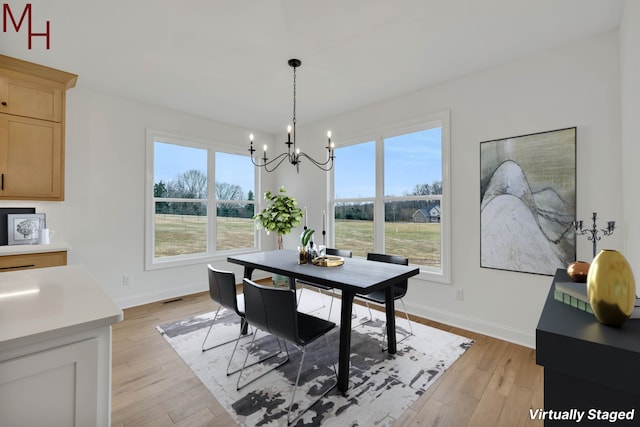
x=126 y=280
x=460 y=294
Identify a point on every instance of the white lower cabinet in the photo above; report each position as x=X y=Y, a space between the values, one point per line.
x=66 y=385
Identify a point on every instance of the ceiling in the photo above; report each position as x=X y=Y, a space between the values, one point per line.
x=227 y=59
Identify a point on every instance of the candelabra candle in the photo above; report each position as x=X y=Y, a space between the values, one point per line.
x=592 y=233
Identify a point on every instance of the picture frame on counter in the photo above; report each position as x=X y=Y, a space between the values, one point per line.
x=24 y=229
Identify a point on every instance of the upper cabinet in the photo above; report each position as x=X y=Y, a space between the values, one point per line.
x=32 y=119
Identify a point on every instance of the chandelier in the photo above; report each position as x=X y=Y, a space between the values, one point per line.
x=293 y=154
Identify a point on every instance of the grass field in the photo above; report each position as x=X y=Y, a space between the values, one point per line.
x=179 y=235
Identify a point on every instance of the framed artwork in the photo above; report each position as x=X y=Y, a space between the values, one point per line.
x=4 y=238
x=24 y=229
x=528 y=202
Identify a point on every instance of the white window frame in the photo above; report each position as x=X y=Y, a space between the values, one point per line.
x=153 y=263
x=442 y=120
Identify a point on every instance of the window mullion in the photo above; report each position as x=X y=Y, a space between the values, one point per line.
x=378 y=207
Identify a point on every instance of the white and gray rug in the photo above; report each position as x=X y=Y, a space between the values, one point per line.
x=381 y=386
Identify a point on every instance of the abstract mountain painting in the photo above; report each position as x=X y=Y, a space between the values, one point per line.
x=528 y=202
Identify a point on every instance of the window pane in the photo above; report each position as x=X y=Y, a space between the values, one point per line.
x=355 y=171
x=234 y=177
x=179 y=172
x=235 y=226
x=354 y=227
x=234 y=182
x=412 y=229
x=413 y=163
x=180 y=228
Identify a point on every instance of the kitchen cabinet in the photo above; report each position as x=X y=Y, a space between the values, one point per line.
x=55 y=348
x=32 y=120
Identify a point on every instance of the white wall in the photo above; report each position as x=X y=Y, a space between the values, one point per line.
x=573 y=86
x=577 y=85
x=630 y=101
x=104 y=207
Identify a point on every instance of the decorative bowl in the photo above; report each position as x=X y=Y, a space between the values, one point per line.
x=328 y=261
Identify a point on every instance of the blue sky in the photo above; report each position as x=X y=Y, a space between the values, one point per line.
x=410 y=159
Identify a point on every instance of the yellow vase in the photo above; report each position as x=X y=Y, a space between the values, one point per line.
x=611 y=287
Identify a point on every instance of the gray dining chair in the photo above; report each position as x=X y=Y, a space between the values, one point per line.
x=330 y=291
x=274 y=310
x=399 y=291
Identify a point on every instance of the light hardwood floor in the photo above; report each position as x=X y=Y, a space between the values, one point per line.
x=494 y=383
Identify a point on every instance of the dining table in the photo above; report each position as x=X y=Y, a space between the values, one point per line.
x=356 y=276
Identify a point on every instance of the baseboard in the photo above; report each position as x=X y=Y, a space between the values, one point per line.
x=142 y=299
x=494 y=330
x=516 y=336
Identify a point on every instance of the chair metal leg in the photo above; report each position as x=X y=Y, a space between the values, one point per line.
x=384 y=329
x=246 y=357
x=295 y=387
x=353 y=316
x=322 y=294
x=222 y=343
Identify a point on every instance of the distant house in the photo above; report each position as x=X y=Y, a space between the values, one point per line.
x=429 y=213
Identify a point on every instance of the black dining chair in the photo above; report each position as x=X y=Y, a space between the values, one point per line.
x=399 y=291
x=329 y=251
x=222 y=290
x=274 y=310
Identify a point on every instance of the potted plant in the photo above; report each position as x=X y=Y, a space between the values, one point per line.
x=281 y=214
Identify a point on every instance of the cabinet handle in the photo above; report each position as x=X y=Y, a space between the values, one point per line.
x=2 y=184
x=4 y=103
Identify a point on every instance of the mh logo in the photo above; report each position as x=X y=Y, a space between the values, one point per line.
x=8 y=17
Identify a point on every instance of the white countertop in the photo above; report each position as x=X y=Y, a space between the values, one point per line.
x=49 y=302
x=32 y=249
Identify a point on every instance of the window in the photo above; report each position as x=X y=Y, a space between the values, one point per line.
x=390 y=195
x=200 y=201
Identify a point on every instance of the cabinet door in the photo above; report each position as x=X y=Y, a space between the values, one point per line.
x=30 y=99
x=56 y=387
x=31 y=159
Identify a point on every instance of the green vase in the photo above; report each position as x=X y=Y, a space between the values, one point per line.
x=611 y=287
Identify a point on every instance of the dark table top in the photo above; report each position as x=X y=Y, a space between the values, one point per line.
x=356 y=275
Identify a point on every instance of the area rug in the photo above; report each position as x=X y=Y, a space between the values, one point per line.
x=381 y=385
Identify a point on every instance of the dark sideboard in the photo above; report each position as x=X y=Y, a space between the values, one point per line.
x=588 y=366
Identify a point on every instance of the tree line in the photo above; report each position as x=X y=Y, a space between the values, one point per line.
x=395 y=211
x=192 y=184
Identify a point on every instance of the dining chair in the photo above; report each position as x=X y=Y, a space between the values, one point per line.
x=274 y=310
x=329 y=251
x=222 y=290
x=399 y=291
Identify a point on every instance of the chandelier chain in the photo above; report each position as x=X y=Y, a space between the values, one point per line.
x=294 y=96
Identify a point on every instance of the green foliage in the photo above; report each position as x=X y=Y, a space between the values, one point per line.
x=306 y=237
x=281 y=215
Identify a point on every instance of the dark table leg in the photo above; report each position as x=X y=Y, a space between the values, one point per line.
x=248 y=271
x=391 y=319
x=345 y=341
